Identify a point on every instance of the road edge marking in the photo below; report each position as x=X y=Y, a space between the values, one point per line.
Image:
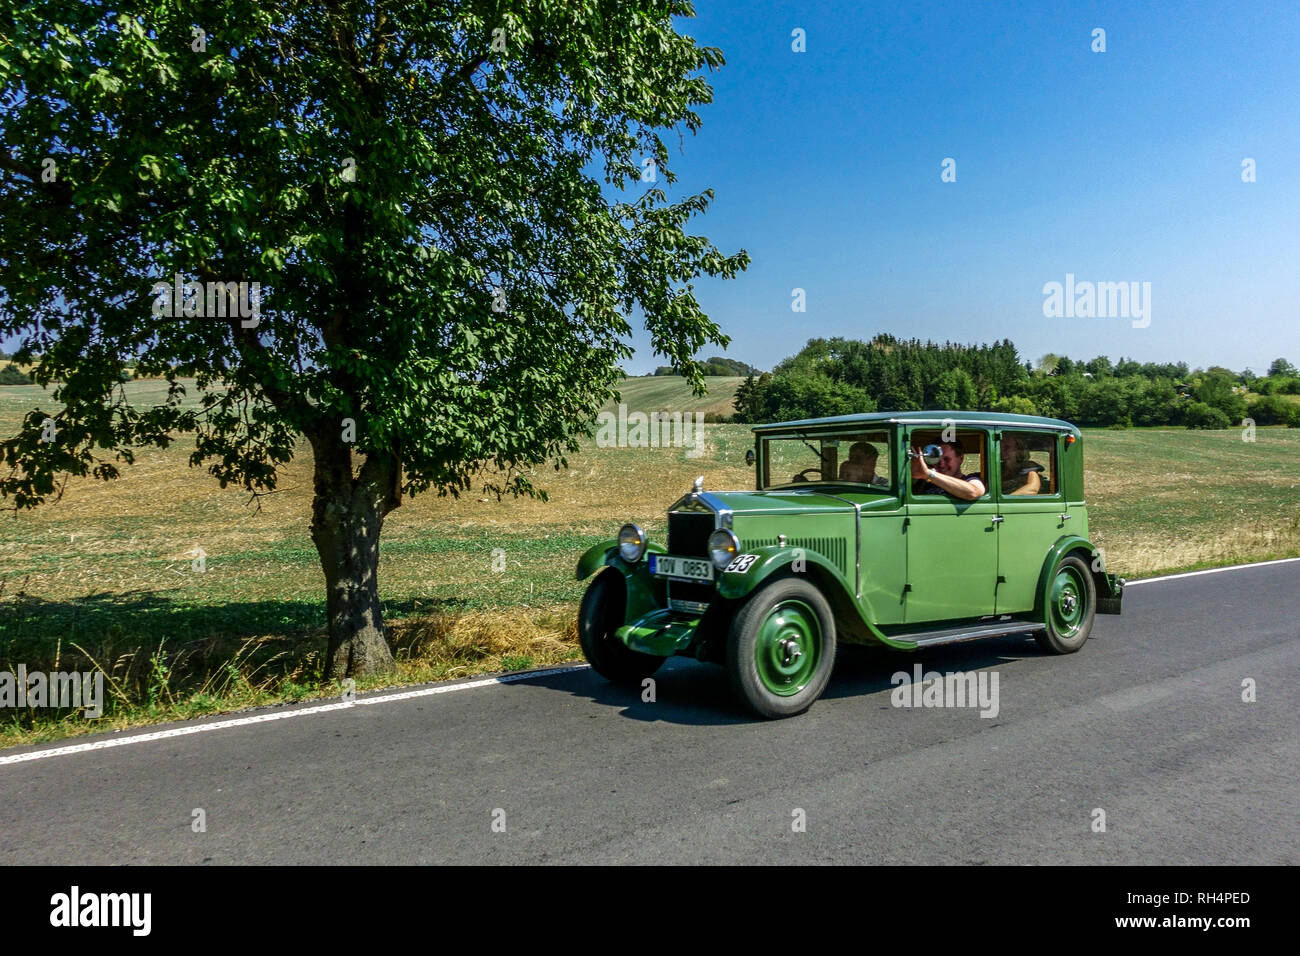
x=186 y=730
x=1192 y=574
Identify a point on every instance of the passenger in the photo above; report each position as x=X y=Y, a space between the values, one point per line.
x=945 y=478
x=1020 y=475
x=861 y=466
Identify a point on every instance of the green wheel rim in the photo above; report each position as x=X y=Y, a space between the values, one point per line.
x=788 y=648
x=1069 y=601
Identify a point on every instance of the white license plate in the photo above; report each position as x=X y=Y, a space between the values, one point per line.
x=691 y=569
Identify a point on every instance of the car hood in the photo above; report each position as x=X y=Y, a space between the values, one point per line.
x=775 y=502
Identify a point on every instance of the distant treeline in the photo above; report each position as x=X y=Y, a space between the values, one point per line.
x=11 y=374
x=717 y=366
x=843 y=376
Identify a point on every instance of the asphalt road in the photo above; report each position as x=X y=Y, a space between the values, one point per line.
x=1146 y=723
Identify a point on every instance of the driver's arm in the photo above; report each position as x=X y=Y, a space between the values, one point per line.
x=958 y=487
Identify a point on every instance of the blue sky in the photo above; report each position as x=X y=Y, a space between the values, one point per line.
x=1117 y=166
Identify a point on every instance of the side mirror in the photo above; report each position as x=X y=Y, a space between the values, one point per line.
x=749 y=456
x=930 y=454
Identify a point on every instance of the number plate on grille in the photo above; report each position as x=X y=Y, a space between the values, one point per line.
x=688 y=569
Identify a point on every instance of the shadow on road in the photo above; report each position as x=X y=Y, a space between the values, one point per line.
x=690 y=693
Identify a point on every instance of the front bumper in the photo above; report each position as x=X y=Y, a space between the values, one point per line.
x=662 y=632
x=1110 y=594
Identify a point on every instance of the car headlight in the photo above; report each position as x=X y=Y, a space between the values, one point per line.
x=723 y=547
x=631 y=543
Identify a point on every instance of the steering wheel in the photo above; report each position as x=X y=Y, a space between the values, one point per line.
x=803 y=475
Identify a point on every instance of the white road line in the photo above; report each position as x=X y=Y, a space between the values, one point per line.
x=282 y=715
x=1192 y=574
x=421 y=692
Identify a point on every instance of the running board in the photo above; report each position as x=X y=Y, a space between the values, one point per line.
x=968 y=632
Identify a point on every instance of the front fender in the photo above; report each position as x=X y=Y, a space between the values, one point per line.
x=855 y=616
x=1109 y=587
x=606 y=553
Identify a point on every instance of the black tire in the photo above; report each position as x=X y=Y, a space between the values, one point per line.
x=600 y=615
x=1067 y=631
x=785 y=609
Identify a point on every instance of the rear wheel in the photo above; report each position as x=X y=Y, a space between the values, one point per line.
x=602 y=612
x=1071 y=605
x=781 y=648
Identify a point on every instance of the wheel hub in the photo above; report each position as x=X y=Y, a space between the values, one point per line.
x=790 y=650
x=787 y=649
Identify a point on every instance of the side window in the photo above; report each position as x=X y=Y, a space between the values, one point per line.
x=965 y=456
x=864 y=459
x=1028 y=463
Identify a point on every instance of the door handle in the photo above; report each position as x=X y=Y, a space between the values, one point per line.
x=997 y=519
x=1065 y=517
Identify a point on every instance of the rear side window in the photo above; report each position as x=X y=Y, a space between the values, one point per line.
x=1028 y=464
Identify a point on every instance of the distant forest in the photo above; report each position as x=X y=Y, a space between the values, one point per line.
x=843 y=376
x=717 y=366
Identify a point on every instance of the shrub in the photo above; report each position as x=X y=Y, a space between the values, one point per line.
x=12 y=375
x=1272 y=410
x=1200 y=415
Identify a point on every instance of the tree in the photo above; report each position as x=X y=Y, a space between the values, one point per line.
x=444 y=284
x=955 y=391
x=1217 y=388
x=1282 y=369
x=749 y=400
x=1272 y=410
x=1200 y=415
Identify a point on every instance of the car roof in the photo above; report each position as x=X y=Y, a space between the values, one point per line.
x=938 y=418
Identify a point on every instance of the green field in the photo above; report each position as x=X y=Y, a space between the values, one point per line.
x=106 y=574
x=670 y=393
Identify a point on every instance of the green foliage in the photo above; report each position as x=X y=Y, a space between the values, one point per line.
x=1201 y=415
x=1015 y=405
x=12 y=375
x=717 y=365
x=436 y=263
x=887 y=373
x=1277 y=385
x=1273 y=410
x=750 y=398
x=1281 y=368
x=1217 y=387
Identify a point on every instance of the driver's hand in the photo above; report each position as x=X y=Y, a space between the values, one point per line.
x=919 y=467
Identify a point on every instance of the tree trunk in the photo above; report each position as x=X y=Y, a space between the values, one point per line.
x=347 y=517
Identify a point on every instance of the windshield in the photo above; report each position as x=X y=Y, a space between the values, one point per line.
x=860 y=458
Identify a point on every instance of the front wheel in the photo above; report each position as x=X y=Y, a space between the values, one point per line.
x=781 y=648
x=600 y=615
x=1071 y=605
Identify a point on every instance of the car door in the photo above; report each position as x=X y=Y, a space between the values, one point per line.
x=1031 y=522
x=952 y=545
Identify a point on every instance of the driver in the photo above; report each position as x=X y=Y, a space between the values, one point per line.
x=945 y=477
x=861 y=465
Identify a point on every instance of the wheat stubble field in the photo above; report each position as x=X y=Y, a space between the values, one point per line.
x=105 y=577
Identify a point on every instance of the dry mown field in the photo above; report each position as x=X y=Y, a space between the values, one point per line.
x=106 y=573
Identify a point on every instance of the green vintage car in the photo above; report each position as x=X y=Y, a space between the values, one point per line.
x=907 y=530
